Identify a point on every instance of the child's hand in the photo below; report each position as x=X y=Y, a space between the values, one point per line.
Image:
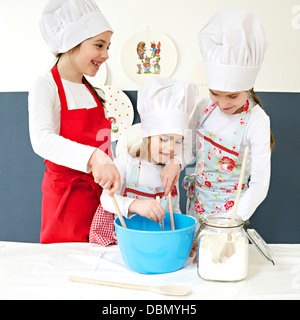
x=105 y=173
x=150 y=209
x=169 y=176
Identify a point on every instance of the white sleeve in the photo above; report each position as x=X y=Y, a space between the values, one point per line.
x=44 y=128
x=257 y=137
x=189 y=145
x=123 y=164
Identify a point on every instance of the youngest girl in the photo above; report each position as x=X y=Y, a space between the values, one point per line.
x=164 y=106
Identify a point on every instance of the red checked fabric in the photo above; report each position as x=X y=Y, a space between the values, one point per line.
x=102 y=228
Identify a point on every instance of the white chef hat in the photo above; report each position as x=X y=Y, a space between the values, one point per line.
x=233 y=45
x=66 y=23
x=165 y=105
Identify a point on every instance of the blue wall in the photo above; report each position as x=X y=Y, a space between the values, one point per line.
x=21 y=172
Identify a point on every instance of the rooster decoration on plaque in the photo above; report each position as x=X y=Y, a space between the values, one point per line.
x=148 y=58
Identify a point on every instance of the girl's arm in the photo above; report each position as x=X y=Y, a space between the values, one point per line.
x=123 y=164
x=44 y=127
x=170 y=175
x=257 y=136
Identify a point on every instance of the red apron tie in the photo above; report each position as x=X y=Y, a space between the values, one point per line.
x=79 y=178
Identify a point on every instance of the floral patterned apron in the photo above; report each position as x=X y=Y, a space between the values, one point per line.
x=212 y=188
x=102 y=228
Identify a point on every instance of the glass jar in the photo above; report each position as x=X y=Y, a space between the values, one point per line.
x=222 y=249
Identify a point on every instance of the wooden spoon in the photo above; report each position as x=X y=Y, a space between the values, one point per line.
x=171 y=290
x=171 y=211
x=229 y=249
x=118 y=211
x=161 y=224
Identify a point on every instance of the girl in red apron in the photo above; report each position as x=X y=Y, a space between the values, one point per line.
x=164 y=106
x=67 y=121
x=233 y=44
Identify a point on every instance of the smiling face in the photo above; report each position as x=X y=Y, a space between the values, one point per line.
x=229 y=102
x=86 y=58
x=163 y=147
x=92 y=53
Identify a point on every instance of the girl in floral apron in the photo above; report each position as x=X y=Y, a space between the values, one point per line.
x=164 y=106
x=232 y=44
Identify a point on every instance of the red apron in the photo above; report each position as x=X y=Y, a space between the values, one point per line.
x=70 y=197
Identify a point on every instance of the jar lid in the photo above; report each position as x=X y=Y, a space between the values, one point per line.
x=260 y=244
x=222 y=221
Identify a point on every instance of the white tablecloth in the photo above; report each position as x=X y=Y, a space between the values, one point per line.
x=35 y=271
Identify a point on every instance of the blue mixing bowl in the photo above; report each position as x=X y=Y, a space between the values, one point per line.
x=146 y=249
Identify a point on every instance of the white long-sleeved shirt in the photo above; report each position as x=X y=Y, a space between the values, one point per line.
x=257 y=137
x=44 y=122
x=149 y=176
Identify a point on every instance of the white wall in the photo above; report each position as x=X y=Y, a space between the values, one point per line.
x=23 y=53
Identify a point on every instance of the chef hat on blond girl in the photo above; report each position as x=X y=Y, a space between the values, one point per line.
x=66 y=23
x=165 y=106
x=233 y=45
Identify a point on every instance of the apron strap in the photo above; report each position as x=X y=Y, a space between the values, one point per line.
x=99 y=104
x=61 y=91
x=135 y=169
x=62 y=95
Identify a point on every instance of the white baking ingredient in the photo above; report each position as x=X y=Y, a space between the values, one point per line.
x=234 y=268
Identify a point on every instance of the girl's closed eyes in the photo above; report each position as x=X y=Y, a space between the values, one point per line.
x=165 y=139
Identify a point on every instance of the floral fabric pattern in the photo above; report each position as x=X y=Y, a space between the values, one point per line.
x=212 y=188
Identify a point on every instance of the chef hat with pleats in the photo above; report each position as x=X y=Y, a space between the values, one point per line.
x=233 y=45
x=165 y=106
x=66 y=23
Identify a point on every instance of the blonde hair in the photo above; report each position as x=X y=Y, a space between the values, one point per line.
x=141 y=150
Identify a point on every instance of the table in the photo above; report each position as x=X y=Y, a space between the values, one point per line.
x=36 y=271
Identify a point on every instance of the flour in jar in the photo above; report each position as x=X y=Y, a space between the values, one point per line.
x=234 y=268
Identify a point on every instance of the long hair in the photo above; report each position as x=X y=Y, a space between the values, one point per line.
x=257 y=101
